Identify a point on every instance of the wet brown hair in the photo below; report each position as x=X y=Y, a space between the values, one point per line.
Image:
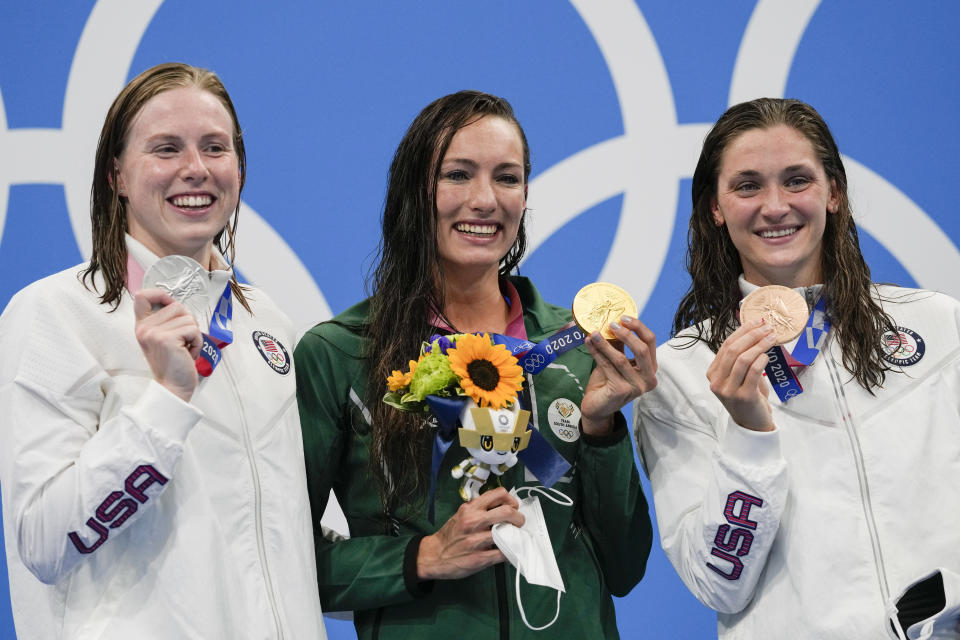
x=407 y=282
x=714 y=264
x=108 y=211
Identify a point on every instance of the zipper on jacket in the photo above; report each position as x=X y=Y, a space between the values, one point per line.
x=529 y=396
x=258 y=507
x=851 y=428
x=501 y=574
x=376 y=623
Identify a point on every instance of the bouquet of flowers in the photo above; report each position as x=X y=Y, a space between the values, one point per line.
x=467 y=380
x=462 y=365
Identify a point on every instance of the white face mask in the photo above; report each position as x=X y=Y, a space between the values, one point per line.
x=529 y=549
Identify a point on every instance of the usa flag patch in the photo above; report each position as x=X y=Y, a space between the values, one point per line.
x=903 y=348
x=272 y=351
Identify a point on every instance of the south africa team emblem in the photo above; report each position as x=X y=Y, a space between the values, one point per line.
x=903 y=348
x=564 y=418
x=272 y=351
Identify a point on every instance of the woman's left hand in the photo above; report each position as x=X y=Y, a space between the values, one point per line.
x=617 y=380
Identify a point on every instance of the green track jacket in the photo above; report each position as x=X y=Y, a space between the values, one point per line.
x=601 y=542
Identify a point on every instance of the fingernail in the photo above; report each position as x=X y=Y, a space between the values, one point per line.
x=614 y=326
x=596 y=338
x=626 y=319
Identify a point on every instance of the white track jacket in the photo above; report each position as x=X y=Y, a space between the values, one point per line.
x=128 y=513
x=807 y=531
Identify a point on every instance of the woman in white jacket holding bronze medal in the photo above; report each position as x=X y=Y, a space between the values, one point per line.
x=151 y=459
x=803 y=439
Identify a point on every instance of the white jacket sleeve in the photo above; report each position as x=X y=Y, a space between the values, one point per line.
x=78 y=466
x=719 y=489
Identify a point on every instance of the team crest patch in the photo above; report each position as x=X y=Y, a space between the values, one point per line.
x=564 y=418
x=903 y=348
x=272 y=351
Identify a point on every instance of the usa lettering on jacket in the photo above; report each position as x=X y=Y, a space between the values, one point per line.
x=733 y=540
x=117 y=507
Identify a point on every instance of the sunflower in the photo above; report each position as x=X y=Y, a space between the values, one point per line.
x=399 y=380
x=488 y=373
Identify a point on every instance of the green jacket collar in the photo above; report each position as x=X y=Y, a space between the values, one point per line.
x=540 y=318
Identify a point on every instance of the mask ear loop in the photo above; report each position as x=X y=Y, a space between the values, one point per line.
x=523 y=615
x=548 y=493
x=558 y=497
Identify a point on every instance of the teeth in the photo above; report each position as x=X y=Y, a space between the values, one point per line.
x=192 y=201
x=478 y=229
x=779 y=233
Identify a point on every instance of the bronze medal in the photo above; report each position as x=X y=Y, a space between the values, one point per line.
x=781 y=308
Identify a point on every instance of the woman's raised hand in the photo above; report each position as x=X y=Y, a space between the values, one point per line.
x=170 y=340
x=736 y=376
x=617 y=380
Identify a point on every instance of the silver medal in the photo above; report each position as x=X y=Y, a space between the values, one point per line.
x=184 y=280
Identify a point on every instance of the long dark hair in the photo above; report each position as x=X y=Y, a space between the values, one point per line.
x=407 y=282
x=714 y=264
x=108 y=210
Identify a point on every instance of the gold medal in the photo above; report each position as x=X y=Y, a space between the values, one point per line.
x=598 y=304
x=781 y=308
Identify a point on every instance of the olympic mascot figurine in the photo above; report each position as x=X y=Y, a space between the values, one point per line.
x=492 y=437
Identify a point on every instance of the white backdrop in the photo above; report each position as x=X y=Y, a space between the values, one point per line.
x=615 y=96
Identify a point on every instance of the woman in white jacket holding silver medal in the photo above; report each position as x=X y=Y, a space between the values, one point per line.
x=151 y=460
x=801 y=488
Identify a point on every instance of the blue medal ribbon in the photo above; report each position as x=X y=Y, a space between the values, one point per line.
x=219 y=336
x=814 y=335
x=447 y=413
x=533 y=358
x=543 y=460
x=781 y=376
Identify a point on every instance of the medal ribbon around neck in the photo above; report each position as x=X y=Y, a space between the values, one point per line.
x=539 y=457
x=779 y=370
x=534 y=358
x=219 y=336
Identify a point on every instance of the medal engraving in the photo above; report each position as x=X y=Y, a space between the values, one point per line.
x=781 y=308
x=597 y=305
x=184 y=280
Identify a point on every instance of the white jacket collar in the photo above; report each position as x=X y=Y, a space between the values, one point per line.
x=811 y=294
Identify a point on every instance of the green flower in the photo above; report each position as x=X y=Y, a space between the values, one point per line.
x=432 y=376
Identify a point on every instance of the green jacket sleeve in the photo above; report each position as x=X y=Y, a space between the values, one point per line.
x=614 y=509
x=366 y=571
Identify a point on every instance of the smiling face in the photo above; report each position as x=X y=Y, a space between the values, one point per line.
x=499 y=437
x=179 y=173
x=774 y=196
x=480 y=197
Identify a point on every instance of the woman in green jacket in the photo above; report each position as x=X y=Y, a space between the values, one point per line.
x=453 y=230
